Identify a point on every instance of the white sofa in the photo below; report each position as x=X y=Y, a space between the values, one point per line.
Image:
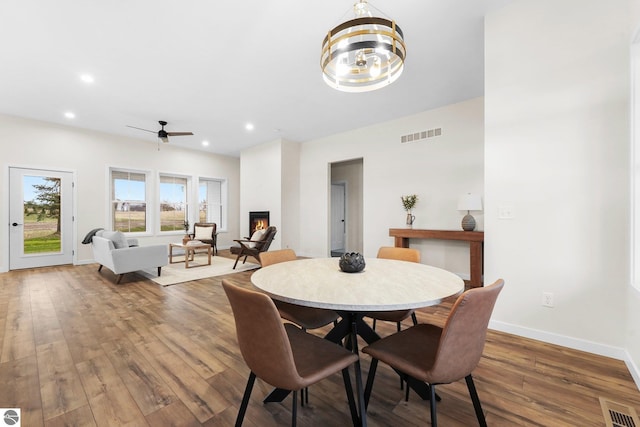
x=120 y=255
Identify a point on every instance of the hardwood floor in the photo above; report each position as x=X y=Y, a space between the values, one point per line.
x=79 y=350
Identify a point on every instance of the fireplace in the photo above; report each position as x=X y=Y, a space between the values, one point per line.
x=258 y=220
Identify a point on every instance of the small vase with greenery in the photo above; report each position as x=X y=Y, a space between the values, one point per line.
x=408 y=202
x=186 y=237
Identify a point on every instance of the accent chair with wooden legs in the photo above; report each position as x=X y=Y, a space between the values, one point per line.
x=438 y=355
x=259 y=242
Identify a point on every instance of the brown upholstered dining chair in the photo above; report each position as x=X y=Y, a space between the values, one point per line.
x=206 y=233
x=254 y=245
x=305 y=317
x=438 y=355
x=397 y=316
x=284 y=355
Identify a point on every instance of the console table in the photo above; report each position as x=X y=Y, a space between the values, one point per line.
x=475 y=239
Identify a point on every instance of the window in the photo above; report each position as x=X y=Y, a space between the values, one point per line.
x=174 y=203
x=212 y=195
x=128 y=201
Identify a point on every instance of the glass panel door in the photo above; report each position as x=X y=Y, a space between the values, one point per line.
x=41 y=218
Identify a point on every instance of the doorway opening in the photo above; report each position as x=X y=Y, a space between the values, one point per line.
x=346 y=201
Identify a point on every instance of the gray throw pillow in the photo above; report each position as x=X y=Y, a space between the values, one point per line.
x=117 y=237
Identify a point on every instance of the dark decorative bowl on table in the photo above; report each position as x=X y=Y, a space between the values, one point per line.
x=352 y=262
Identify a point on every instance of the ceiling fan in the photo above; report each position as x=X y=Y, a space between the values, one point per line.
x=163 y=134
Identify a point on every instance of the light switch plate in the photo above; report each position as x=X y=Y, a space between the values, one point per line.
x=506 y=211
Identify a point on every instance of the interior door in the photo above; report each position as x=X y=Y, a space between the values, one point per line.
x=40 y=218
x=338 y=224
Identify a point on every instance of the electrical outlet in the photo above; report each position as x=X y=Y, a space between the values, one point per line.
x=547 y=299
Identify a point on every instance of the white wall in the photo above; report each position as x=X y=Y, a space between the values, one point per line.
x=290 y=236
x=30 y=143
x=261 y=178
x=557 y=147
x=438 y=170
x=632 y=335
x=270 y=182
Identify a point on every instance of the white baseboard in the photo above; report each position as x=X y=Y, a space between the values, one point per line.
x=617 y=353
x=563 y=340
x=633 y=368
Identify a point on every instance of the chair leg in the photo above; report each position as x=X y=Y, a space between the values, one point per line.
x=245 y=399
x=119 y=278
x=476 y=400
x=374 y=324
x=370 y=378
x=432 y=405
x=159 y=271
x=237 y=259
x=406 y=393
x=100 y=268
x=414 y=318
x=294 y=409
x=398 y=327
x=245 y=259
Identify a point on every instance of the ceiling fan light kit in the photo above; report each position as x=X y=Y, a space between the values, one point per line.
x=363 y=54
x=163 y=135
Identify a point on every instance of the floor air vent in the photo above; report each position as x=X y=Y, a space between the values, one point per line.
x=618 y=415
x=417 y=136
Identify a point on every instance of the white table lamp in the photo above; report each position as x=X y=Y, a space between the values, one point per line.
x=469 y=202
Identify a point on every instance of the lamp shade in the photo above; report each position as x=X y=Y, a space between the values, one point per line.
x=470 y=202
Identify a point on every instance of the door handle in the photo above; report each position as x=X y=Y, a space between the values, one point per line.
x=15 y=224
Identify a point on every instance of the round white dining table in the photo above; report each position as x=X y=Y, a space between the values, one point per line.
x=383 y=284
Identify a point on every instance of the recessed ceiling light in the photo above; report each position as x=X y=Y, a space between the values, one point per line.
x=205 y=143
x=249 y=126
x=70 y=115
x=87 y=78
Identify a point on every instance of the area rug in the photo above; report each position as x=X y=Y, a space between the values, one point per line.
x=176 y=273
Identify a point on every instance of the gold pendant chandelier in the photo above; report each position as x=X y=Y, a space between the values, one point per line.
x=363 y=54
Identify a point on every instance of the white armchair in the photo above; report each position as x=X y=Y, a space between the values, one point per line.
x=121 y=255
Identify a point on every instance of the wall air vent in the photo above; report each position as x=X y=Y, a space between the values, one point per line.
x=618 y=415
x=417 y=136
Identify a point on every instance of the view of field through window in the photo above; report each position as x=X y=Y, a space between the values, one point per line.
x=128 y=200
x=41 y=219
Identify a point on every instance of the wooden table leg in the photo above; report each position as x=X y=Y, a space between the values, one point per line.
x=401 y=242
x=476 y=264
x=189 y=255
